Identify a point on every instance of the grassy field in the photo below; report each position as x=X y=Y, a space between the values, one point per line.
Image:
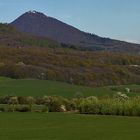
x=30 y=87
x=64 y=126
x=60 y=126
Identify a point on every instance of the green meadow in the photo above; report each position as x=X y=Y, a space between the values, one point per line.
x=67 y=126
x=64 y=126
x=37 y=88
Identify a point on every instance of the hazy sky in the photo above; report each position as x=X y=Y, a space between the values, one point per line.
x=119 y=19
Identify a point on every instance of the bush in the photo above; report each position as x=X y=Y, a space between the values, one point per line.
x=23 y=108
x=111 y=107
x=54 y=103
x=2 y=109
x=120 y=105
x=89 y=105
x=121 y=97
x=5 y=99
x=22 y=100
x=30 y=101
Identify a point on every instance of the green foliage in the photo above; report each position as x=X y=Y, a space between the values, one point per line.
x=23 y=108
x=30 y=101
x=120 y=105
x=89 y=105
x=57 y=104
x=13 y=101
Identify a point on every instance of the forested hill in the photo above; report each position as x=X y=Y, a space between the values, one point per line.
x=10 y=36
x=72 y=66
x=38 y=24
x=25 y=56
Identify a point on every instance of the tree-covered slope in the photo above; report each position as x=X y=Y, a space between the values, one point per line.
x=38 y=24
x=72 y=66
x=10 y=36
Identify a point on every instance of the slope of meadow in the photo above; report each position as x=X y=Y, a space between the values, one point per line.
x=38 y=88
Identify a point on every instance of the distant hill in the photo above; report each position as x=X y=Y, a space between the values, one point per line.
x=28 y=56
x=38 y=24
x=10 y=36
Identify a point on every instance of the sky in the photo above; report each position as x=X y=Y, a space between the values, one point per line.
x=117 y=19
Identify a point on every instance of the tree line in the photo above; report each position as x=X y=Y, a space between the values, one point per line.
x=120 y=104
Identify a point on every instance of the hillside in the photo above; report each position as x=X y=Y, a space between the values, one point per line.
x=10 y=36
x=67 y=65
x=27 y=56
x=38 y=24
x=39 y=88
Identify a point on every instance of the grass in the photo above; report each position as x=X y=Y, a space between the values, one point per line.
x=63 y=126
x=67 y=126
x=30 y=87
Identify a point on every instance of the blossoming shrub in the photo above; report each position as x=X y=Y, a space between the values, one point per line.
x=119 y=105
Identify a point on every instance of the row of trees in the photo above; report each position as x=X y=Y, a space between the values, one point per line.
x=46 y=103
x=119 y=104
x=13 y=101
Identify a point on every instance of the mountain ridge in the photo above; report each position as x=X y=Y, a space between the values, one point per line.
x=37 y=23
